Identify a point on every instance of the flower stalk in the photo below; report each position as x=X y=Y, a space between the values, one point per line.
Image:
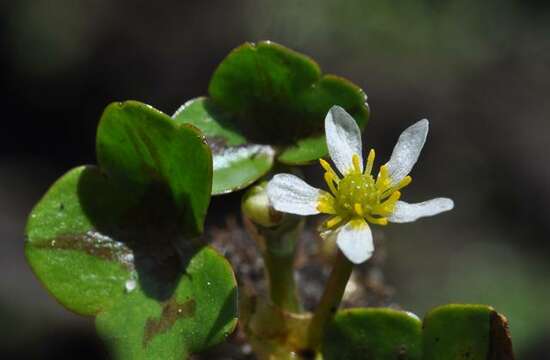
x=277 y=237
x=330 y=300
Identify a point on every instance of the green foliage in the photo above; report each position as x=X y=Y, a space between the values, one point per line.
x=138 y=145
x=267 y=94
x=373 y=334
x=236 y=163
x=449 y=332
x=200 y=312
x=118 y=241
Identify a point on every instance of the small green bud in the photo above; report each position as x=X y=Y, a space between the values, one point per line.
x=256 y=206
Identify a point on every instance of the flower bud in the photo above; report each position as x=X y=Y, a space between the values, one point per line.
x=256 y=206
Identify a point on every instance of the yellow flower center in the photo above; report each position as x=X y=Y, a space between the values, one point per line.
x=359 y=195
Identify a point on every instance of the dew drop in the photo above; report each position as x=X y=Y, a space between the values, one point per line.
x=52 y=243
x=208 y=283
x=130 y=285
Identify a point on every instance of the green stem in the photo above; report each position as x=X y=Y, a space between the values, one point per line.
x=330 y=301
x=278 y=247
x=282 y=286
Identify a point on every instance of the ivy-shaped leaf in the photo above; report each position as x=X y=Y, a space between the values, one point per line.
x=118 y=241
x=237 y=164
x=266 y=98
x=450 y=332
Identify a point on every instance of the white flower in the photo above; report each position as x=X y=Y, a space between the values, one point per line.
x=356 y=198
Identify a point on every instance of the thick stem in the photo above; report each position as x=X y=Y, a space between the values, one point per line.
x=282 y=286
x=330 y=301
x=277 y=237
x=278 y=246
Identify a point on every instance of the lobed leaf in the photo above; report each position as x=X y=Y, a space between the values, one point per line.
x=468 y=332
x=373 y=333
x=267 y=99
x=138 y=145
x=450 y=332
x=237 y=164
x=280 y=97
x=118 y=241
x=199 y=313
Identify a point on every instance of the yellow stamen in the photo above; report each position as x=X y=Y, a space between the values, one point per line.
x=383 y=180
x=359 y=196
x=329 y=179
x=392 y=199
x=358 y=209
x=332 y=222
x=370 y=162
x=386 y=208
x=356 y=163
x=378 y=221
x=325 y=204
x=400 y=185
x=329 y=169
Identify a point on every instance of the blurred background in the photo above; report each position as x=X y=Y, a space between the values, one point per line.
x=479 y=70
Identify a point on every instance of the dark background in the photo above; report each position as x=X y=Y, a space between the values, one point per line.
x=479 y=70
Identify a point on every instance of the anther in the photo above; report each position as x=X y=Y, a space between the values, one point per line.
x=333 y=221
x=370 y=162
x=358 y=209
x=329 y=179
x=356 y=163
x=329 y=169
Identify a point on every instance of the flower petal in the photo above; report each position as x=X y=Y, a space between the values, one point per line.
x=406 y=151
x=355 y=241
x=405 y=212
x=290 y=194
x=343 y=139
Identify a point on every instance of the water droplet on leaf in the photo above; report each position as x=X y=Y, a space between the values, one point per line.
x=130 y=285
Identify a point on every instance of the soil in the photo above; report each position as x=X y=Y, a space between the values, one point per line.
x=366 y=287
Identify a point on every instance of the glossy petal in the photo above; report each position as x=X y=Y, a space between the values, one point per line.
x=290 y=194
x=355 y=241
x=343 y=139
x=405 y=212
x=406 y=151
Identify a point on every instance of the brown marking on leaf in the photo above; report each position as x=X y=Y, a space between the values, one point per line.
x=500 y=341
x=172 y=311
x=93 y=244
x=217 y=144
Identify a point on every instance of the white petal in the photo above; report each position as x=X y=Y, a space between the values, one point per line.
x=355 y=241
x=406 y=151
x=405 y=212
x=290 y=194
x=343 y=139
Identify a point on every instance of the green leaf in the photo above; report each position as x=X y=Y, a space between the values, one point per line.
x=279 y=97
x=373 y=334
x=214 y=123
x=469 y=332
x=84 y=269
x=138 y=145
x=200 y=313
x=450 y=332
x=115 y=241
x=305 y=151
x=236 y=163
